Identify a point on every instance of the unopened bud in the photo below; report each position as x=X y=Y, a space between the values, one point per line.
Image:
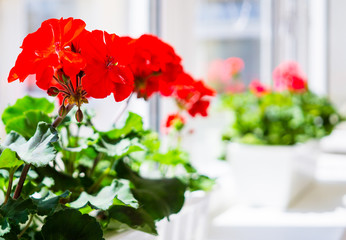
x=79 y=115
x=62 y=110
x=53 y=91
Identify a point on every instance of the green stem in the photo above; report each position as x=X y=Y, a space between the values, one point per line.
x=39 y=219
x=26 y=227
x=96 y=161
x=9 y=188
x=99 y=180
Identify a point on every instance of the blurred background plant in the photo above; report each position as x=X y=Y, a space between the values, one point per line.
x=285 y=114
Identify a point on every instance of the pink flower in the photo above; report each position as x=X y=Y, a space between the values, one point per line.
x=215 y=69
x=233 y=66
x=236 y=87
x=225 y=70
x=289 y=76
x=259 y=89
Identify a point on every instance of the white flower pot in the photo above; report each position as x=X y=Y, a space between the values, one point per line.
x=272 y=176
x=130 y=235
x=189 y=224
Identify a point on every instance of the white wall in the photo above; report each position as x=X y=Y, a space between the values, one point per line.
x=337 y=51
x=12 y=31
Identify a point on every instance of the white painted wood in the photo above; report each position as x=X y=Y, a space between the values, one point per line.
x=318 y=51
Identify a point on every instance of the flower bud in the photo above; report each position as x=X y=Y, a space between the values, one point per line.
x=62 y=110
x=79 y=115
x=53 y=91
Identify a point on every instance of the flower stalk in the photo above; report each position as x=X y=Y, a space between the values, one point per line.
x=9 y=188
x=26 y=168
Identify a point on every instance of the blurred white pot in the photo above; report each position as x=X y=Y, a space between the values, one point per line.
x=189 y=224
x=272 y=176
x=130 y=235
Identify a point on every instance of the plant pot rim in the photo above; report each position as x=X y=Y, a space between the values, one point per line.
x=273 y=146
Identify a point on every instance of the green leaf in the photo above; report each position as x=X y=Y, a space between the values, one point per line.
x=160 y=197
x=172 y=157
x=25 y=104
x=62 y=181
x=17 y=210
x=39 y=150
x=134 y=218
x=4 y=226
x=25 y=125
x=48 y=204
x=14 y=211
x=9 y=160
x=118 y=193
x=118 y=149
x=134 y=123
x=200 y=182
x=71 y=224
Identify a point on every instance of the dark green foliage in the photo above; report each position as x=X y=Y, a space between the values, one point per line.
x=71 y=224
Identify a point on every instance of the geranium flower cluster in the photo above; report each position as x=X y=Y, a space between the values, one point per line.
x=74 y=64
x=288 y=76
x=225 y=75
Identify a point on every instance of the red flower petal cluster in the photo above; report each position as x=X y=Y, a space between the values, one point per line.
x=175 y=121
x=73 y=63
x=107 y=70
x=155 y=66
x=289 y=76
x=259 y=89
x=48 y=49
x=192 y=95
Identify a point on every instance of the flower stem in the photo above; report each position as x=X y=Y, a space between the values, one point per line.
x=59 y=119
x=99 y=180
x=19 y=187
x=96 y=161
x=26 y=226
x=122 y=108
x=26 y=168
x=9 y=188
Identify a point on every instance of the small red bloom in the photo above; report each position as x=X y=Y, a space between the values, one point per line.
x=155 y=65
x=199 y=107
x=107 y=71
x=192 y=95
x=289 y=76
x=175 y=121
x=47 y=50
x=259 y=89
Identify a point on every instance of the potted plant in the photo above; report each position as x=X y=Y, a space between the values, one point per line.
x=274 y=135
x=61 y=177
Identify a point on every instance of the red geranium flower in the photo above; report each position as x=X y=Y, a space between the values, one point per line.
x=49 y=49
x=174 y=121
x=192 y=95
x=107 y=71
x=289 y=76
x=199 y=107
x=259 y=89
x=155 y=65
